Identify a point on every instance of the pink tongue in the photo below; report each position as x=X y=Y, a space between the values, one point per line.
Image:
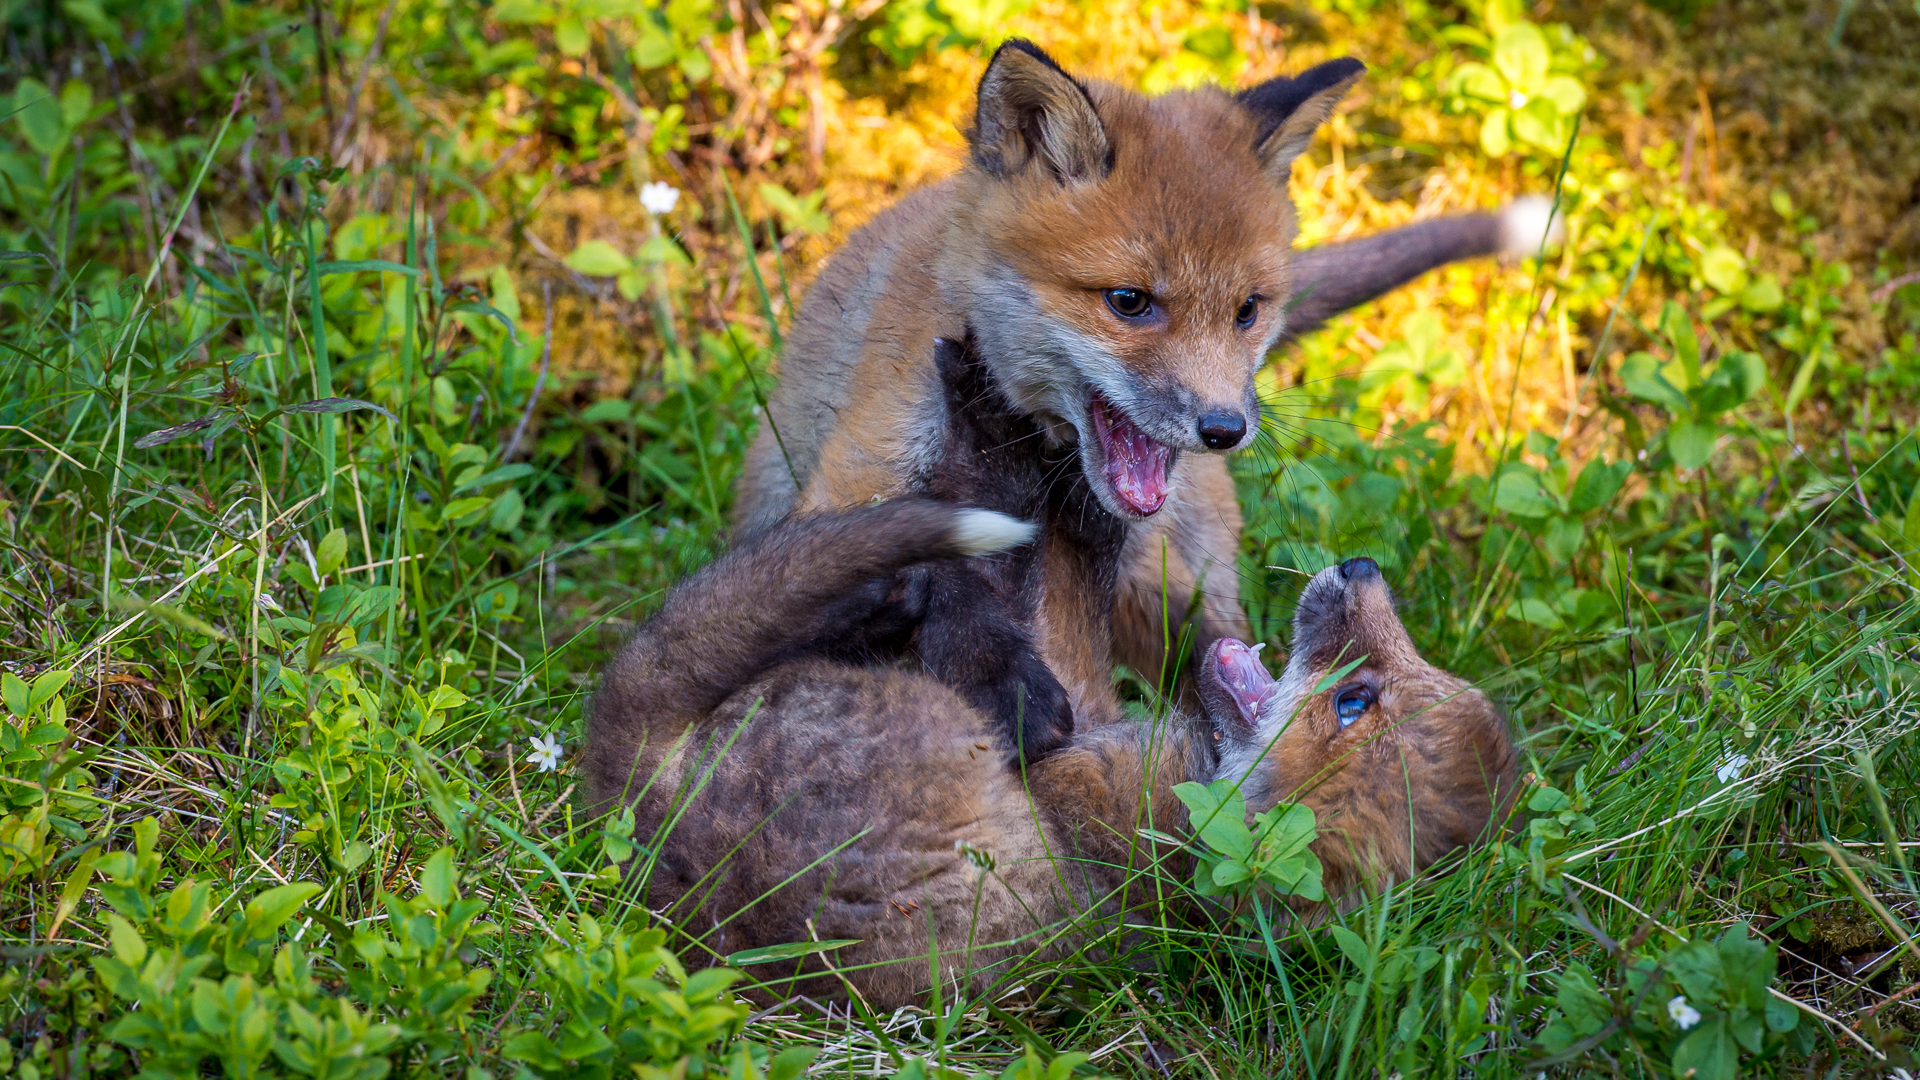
x=1239 y=670
x=1136 y=464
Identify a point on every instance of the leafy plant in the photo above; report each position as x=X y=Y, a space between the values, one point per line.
x=1529 y=92
x=1701 y=1006
x=1235 y=859
x=624 y=1005
x=1694 y=396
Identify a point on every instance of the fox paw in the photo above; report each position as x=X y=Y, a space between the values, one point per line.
x=1033 y=709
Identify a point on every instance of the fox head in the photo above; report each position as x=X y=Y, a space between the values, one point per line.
x=1124 y=260
x=1400 y=761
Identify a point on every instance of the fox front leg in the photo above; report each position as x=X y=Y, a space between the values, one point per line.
x=974 y=642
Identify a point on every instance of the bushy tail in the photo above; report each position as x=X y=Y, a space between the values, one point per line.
x=1330 y=279
x=801 y=586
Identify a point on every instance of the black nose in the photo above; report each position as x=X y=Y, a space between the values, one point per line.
x=1359 y=569
x=1222 y=430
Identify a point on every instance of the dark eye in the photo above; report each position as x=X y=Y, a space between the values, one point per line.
x=1348 y=704
x=1248 y=309
x=1130 y=303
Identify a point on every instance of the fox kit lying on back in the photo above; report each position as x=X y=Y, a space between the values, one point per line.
x=1124 y=264
x=786 y=795
x=783 y=791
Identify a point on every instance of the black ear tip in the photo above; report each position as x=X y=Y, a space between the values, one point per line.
x=1024 y=47
x=1344 y=68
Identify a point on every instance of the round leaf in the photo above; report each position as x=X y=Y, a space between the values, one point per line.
x=1724 y=269
x=597 y=258
x=1479 y=81
x=1566 y=94
x=1494 y=137
x=1520 y=53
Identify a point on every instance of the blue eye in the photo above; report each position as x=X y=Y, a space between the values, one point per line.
x=1348 y=704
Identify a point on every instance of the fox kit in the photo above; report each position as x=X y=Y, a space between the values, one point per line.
x=786 y=790
x=784 y=794
x=1123 y=265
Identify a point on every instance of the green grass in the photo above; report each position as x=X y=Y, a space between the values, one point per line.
x=279 y=617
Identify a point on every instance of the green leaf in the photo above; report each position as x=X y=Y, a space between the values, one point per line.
x=1548 y=800
x=497 y=476
x=1519 y=491
x=1781 y=1015
x=1479 y=81
x=18 y=696
x=498 y=602
x=1566 y=94
x=1597 y=484
x=803 y=215
x=88 y=14
x=1539 y=124
x=1217 y=812
x=1691 y=444
x=1212 y=42
x=791 y=1063
x=460 y=508
x=335 y=405
x=508 y=508
x=355 y=266
x=1520 y=54
x=792 y=950
x=128 y=946
x=1641 y=376
x=608 y=411
x=570 y=35
x=331 y=555
x=445 y=697
x=1724 y=269
x=355 y=855
x=1708 y=1052
x=1910 y=524
x=269 y=911
x=1353 y=947
x=1762 y=295
x=536 y=1049
x=45 y=687
x=1495 y=139
x=38 y=115
x=597 y=258
x=1562 y=538
x=535 y=12
x=438 y=879
x=1678 y=329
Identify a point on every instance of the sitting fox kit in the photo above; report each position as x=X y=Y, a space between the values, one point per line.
x=1123 y=264
x=784 y=791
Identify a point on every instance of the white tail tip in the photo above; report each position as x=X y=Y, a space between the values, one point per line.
x=1525 y=223
x=982 y=532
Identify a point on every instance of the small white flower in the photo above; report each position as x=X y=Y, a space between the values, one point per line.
x=1729 y=767
x=1516 y=99
x=1683 y=1014
x=659 y=197
x=546 y=752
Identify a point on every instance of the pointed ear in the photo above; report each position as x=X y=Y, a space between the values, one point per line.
x=1031 y=110
x=1290 y=110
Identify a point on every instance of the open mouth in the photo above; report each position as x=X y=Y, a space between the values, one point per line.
x=1137 y=466
x=1237 y=667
